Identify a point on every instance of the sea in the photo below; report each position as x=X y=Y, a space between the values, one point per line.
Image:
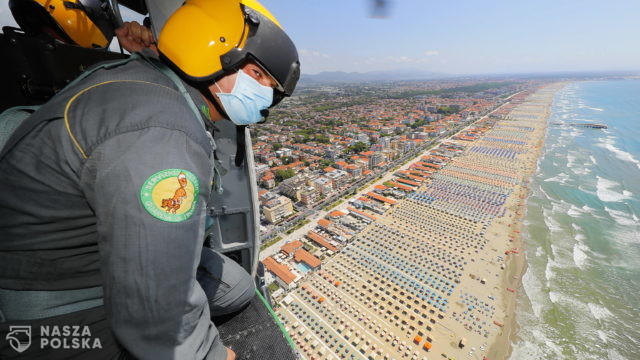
x=580 y=297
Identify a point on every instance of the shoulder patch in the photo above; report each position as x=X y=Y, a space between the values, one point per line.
x=170 y=195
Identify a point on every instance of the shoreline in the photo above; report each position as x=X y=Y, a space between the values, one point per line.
x=503 y=346
x=464 y=229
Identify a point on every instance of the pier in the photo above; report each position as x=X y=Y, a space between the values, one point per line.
x=587 y=125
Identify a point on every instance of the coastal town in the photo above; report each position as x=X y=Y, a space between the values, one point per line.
x=397 y=217
x=328 y=141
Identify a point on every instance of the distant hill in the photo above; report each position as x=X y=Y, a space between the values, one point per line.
x=355 y=77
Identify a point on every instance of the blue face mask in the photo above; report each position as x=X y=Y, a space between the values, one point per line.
x=248 y=97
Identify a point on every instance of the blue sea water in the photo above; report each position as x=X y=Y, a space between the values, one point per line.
x=582 y=230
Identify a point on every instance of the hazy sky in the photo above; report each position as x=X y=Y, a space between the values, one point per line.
x=460 y=36
x=464 y=36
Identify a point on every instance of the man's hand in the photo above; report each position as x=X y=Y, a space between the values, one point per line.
x=135 y=37
x=230 y=354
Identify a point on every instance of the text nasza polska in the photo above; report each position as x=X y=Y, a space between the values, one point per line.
x=68 y=337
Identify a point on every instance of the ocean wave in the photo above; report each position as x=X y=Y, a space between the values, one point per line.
x=571 y=159
x=599 y=312
x=612 y=354
x=532 y=288
x=544 y=193
x=564 y=299
x=602 y=335
x=609 y=144
x=581 y=171
x=605 y=193
x=593 y=160
x=580 y=256
x=622 y=217
x=539 y=251
x=627 y=238
x=583 y=106
x=540 y=348
x=560 y=178
x=548 y=273
x=551 y=224
x=574 y=211
x=585 y=190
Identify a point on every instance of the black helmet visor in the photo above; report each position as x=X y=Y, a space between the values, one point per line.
x=272 y=48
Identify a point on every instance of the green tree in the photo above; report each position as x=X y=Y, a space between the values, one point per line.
x=287 y=160
x=284 y=174
x=325 y=162
x=322 y=139
x=276 y=146
x=358 y=147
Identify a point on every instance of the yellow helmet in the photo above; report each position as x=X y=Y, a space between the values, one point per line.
x=88 y=23
x=205 y=39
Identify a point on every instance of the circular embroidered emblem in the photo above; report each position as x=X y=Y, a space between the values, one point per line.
x=170 y=195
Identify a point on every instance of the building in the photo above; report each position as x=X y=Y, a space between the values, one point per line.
x=284 y=277
x=363 y=164
x=338 y=178
x=375 y=159
x=304 y=256
x=261 y=169
x=277 y=209
x=353 y=170
x=323 y=185
x=268 y=180
x=320 y=240
x=309 y=195
x=291 y=247
x=362 y=138
x=292 y=187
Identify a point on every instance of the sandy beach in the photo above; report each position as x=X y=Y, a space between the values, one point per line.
x=517 y=266
x=438 y=272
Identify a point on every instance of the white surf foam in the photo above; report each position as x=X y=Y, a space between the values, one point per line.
x=539 y=251
x=609 y=144
x=571 y=159
x=580 y=256
x=612 y=354
x=532 y=287
x=598 y=311
x=551 y=224
x=548 y=273
x=622 y=217
x=605 y=193
x=560 y=178
x=602 y=335
x=593 y=160
x=626 y=238
x=574 y=211
x=536 y=346
x=580 y=171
